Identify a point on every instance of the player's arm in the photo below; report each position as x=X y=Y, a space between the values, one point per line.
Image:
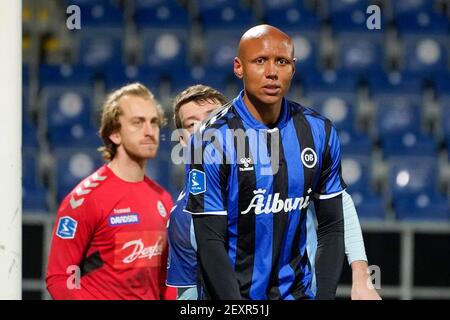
x=182 y=265
x=362 y=288
x=206 y=184
x=166 y=292
x=70 y=238
x=330 y=246
x=330 y=217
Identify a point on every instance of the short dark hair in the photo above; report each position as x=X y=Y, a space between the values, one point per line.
x=197 y=93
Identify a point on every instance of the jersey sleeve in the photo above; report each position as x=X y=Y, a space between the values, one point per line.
x=75 y=224
x=206 y=178
x=331 y=182
x=167 y=293
x=182 y=263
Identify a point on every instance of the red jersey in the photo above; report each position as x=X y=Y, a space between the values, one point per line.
x=113 y=234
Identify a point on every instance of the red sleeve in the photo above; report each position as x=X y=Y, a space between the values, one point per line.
x=167 y=293
x=74 y=227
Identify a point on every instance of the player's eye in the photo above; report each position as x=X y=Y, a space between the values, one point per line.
x=260 y=60
x=282 y=61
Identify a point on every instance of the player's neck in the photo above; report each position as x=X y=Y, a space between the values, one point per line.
x=128 y=169
x=264 y=113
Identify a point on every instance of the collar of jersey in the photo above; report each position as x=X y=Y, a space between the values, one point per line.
x=248 y=118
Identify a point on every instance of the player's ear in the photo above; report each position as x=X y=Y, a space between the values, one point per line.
x=183 y=141
x=115 y=137
x=237 y=67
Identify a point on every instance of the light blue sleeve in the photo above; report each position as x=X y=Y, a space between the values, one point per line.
x=187 y=293
x=354 y=242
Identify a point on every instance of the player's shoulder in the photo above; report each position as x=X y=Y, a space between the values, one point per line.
x=161 y=192
x=86 y=189
x=313 y=117
x=218 y=119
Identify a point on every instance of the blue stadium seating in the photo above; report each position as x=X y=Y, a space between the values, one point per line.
x=339 y=111
x=412 y=6
x=162 y=16
x=369 y=205
x=397 y=116
x=205 y=5
x=181 y=78
x=422 y=206
x=104 y=14
x=228 y=17
x=301 y=5
x=69 y=114
x=34 y=194
x=408 y=144
x=345 y=6
x=65 y=75
x=164 y=48
x=100 y=48
x=412 y=175
x=354 y=142
x=119 y=75
x=320 y=85
x=143 y=4
x=356 y=171
x=73 y=165
x=221 y=47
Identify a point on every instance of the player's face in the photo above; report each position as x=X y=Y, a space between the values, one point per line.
x=266 y=67
x=139 y=132
x=193 y=113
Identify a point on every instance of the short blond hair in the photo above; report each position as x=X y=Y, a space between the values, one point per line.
x=198 y=93
x=111 y=112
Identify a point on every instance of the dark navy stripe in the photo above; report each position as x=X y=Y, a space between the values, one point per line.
x=245 y=246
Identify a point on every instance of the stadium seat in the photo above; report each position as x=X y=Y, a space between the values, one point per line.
x=205 y=5
x=221 y=49
x=163 y=30
x=412 y=6
x=181 y=78
x=369 y=205
x=100 y=48
x=354 y=142
x=165 y=15
x=397 y=116
x=144 y=4
x=119 y=75
x=425 y=42
x=339 y=111
x=345 y=6
x=302 y=5
x=320 y=85
x=356 y=171
x=399 y=89
x=68 y=114
x=65 y=75
x=73 y=165
x=98 y=13
x=408 y=144
x=161 y=167
x=228 y=17
x=34 y=194
x=412 y=175
x=422 y=206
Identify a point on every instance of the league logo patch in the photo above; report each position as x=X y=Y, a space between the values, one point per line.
x=197 y=182
x=67 y=227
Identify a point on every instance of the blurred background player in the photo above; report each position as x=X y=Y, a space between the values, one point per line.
x=110 y=229
x=192 y=107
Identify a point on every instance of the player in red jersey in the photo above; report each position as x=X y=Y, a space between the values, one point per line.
x=109 y=240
